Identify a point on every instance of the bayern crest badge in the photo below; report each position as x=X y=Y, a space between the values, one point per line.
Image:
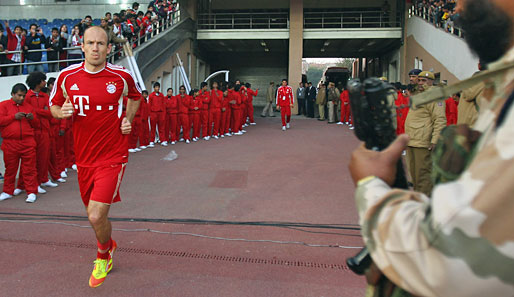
x=111 y=87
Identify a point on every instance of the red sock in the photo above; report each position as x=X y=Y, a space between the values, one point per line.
x=103 y=246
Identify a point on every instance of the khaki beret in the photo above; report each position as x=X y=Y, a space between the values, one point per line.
x=427 y=74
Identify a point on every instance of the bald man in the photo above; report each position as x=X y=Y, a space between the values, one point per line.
x=91 y=92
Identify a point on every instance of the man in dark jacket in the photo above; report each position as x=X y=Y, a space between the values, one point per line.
x=311 y=99
x=3 y=48
x=54 y=45
x=35 y=39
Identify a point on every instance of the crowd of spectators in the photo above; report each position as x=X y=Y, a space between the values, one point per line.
x=17 y=45
x=441 y=13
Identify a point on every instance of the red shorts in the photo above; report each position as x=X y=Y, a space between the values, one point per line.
x=101 y=184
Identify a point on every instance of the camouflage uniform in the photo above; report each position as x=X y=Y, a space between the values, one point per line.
x=461 y=242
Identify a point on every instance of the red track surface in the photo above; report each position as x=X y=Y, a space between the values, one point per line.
x=266 y=175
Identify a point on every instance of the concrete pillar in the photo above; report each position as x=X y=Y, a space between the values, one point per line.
x=189 y=7
x=295 y=45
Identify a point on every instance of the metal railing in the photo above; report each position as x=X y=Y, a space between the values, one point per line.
x=250 y=20
x=351 y=19
x=117 y=52
x=447 y=25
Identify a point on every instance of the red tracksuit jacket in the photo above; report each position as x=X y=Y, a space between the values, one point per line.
x=225 y=102
x=216 y=99
x=184 y=103
x=12 y=42
x=10 y=128
x=156 y=102
x=451 y=111
x=233 y=95
x=285 y=96
x=244 y=96
x=196 y=102
x=172 y=105
x=251 y=94
x=206 y=100
x=40 y=104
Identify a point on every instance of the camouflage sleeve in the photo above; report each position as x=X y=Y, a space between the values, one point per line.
x=438 y=117
x=460 y=243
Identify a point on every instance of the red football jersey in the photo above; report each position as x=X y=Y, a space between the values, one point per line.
x=98 y=102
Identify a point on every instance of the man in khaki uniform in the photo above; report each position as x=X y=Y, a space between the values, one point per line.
x=423 y=125
x=469 y=104
x=333 y=100
x=270 y=96
x=321 y=100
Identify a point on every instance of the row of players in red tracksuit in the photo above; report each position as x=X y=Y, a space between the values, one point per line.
x=210 y=113
x=44 y=145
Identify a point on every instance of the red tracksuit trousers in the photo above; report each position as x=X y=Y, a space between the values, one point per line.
x=194 y=119
x=144 y=132
x=54 y=165
x=61 y=158
x=135 y=133
x=225 y=121
x=42 y=155
x=157 y=118
x=204 y=118
x=250 y=112
x=244 y=114
x=214 y=121
x=236 y=120
x=345 y=113
x=14 y=151
x=172 y=127
x=185 y=124
x=285 y=113
x=69 y=152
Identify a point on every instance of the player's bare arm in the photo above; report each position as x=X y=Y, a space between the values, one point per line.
x=132 y=107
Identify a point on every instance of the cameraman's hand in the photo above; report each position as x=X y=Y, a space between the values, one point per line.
x=382 y=164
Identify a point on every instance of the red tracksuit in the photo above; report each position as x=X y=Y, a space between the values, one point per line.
x=285 y=99
x=55 y=162
x=235 y=121
x=157 y=115
x=69 y=149
x=251 y=94
x=451 y=111
x=172 y=127
x=401 y=113
x=244 y=106
x=204 y=113
x=136 y=128
x=42 y=135
x=215 y=112
x=225 y=114
x=183 y=113
x=60 y=144
x=144 y=135
x=18 y=144
x=345 y=106
x=196 y=102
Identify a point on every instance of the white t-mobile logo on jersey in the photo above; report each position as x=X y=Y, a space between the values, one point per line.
x=78 y=101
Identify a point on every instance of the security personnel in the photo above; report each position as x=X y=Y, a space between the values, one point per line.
x=469 y=103
x=423 y=125
x=413 y=76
